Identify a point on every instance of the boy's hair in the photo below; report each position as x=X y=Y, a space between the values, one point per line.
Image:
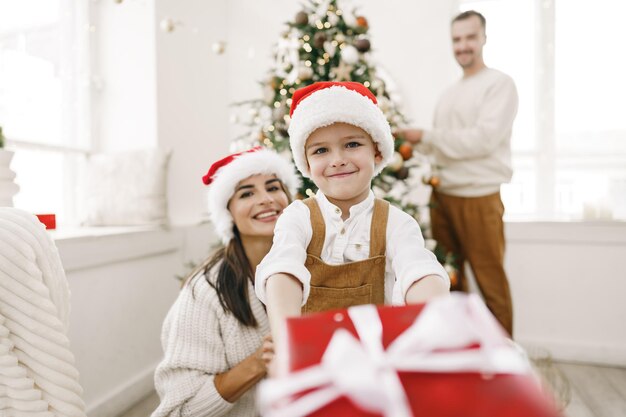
x=324 y=103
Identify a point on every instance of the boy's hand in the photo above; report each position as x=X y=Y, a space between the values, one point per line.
x=413 y=136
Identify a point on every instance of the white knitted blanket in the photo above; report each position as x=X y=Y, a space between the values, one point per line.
x=37 y=373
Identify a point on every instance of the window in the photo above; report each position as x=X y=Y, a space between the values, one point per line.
x=44 y=98
x=569 y=139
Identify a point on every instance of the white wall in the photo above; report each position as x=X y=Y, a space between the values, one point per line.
x=191 y=98
x=122 y=285
x=124 y=75
x=568 y=285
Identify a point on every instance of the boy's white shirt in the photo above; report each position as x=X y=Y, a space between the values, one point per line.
x=407 y=258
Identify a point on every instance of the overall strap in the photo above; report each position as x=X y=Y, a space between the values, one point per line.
x=378 y=229
x=319 y=228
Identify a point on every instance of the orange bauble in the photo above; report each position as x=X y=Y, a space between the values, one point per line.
x=406 y=150
x=434 y=181
x=361 y=21
x=454 y=279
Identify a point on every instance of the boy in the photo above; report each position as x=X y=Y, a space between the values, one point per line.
x=343 y=247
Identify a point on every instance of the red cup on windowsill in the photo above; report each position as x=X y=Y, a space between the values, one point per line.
x=49 y=220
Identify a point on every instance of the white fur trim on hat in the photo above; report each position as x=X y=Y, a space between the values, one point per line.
x=243 y=166
x=338 y=104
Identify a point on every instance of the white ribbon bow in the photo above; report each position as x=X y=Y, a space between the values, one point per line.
x=366 y=373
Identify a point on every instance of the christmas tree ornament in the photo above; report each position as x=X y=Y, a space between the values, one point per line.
x=305 y=73
x=362 y=45
x=302 y=18
x=168 y=25
x=350 y=55
x=431 y=180
x=333 y=19
x=452 y=273
x=318 y=39
x=396 y=162
x=218 y=47
x=406 y=150
x=268 y=94
x=403 y=173
x=361 y=21
x=349 y=18
x=377 y=84
x=330 y=48
x=341 y=72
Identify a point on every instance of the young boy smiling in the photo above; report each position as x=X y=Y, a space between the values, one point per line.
x=343 y=247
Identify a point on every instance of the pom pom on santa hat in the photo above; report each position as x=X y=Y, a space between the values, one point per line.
x=225 y=174
x=324 y=103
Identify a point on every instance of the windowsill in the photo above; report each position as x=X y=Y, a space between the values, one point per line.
x=597 y=232
x=83 y=248
x=79 y=233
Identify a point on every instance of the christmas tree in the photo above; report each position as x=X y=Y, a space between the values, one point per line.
x=327 y=42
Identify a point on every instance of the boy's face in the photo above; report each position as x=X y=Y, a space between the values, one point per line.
x=342 y=158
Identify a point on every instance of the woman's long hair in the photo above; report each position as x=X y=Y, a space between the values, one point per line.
x=233 y=273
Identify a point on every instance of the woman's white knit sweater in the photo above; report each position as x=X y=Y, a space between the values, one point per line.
x=201 y=340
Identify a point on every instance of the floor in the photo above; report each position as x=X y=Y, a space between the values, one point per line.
x=589 y=391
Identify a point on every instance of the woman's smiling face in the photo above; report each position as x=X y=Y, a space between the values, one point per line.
x=256 y=204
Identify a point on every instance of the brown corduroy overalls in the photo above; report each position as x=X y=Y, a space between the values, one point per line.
x=354 y=283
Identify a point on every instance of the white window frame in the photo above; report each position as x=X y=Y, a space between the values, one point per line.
x=546 y=159
x=80 y=143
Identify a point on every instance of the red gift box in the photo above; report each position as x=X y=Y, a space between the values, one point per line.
x=462 y=365
x=49 y=220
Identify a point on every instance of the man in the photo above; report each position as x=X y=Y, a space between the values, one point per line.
x=471 y=143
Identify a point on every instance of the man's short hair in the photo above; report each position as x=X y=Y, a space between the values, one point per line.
x=468 y=14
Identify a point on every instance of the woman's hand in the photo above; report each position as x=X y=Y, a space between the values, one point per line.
x=267 y=350
x=233 y=383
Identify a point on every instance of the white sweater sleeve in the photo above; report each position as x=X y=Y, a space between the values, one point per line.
x=493 y=124
x=194 y=354
x=410 y=259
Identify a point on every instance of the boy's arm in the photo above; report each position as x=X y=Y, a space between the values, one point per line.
x=425 y=289
x=419 y=276
x=287 y=256
x=284 y=299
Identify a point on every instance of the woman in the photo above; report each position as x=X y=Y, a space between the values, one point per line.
x=215 y=336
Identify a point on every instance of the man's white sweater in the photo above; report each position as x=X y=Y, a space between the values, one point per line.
x=471 y=137
x=201 y=340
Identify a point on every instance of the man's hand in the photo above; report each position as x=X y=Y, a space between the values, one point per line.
x=413 y=136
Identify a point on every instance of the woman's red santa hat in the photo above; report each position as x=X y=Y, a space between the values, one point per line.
x=324 y=103
x=225 y=174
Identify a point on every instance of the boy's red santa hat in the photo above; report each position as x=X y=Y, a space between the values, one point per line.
x=324 y=103
x=225 y=174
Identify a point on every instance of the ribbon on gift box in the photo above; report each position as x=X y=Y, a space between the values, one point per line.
x=452 y=334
